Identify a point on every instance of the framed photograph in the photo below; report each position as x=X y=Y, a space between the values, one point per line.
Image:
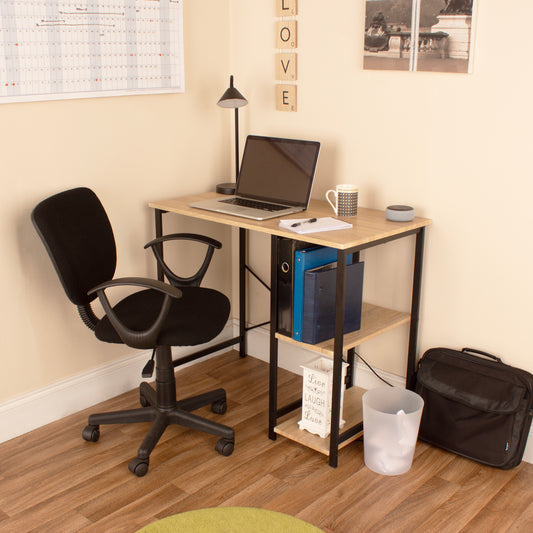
x=419 y=35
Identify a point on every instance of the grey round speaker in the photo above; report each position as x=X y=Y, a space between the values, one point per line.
x=399 y=213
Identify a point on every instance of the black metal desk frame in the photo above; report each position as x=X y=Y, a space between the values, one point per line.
x=276 y=412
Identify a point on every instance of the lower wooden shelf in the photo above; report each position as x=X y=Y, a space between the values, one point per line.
x=352 y=414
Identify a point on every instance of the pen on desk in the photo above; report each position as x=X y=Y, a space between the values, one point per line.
x=311 y=220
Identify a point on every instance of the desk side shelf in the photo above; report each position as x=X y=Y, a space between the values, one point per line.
x=375 y=320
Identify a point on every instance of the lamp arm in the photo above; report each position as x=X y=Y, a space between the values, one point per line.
x=236 y=144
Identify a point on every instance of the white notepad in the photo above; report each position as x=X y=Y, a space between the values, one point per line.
x=303 y=225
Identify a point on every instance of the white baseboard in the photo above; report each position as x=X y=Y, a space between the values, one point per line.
x=40 y=407
x=33 y=410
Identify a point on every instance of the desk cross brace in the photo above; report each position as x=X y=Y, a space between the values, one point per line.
x=257 y=278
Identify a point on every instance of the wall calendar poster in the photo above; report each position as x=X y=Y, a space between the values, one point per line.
x=57 y=49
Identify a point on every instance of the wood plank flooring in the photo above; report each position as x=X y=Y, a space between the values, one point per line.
x=53 y=481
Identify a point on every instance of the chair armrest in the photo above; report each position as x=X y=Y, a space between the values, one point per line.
x=175 y=280
x=147 y=283
x=137 y=339
x=186 y=237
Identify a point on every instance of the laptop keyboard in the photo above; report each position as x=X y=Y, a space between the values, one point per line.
x=254 y=204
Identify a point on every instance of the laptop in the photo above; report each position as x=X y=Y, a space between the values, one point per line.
x=275 y=179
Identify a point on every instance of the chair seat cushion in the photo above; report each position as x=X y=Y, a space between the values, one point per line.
x=197 y=317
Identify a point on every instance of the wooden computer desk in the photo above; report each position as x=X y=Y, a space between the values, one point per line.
x=370 y=228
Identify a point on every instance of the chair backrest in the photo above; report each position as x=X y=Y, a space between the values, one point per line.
x=76 y=232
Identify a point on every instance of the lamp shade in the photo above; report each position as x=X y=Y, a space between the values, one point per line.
x=232 y=98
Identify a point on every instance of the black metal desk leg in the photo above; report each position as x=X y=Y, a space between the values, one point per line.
x=242 y=292
x=273 y=366
x=415 y=310
x=350 y=359
x=337 y=358
x=159 y=233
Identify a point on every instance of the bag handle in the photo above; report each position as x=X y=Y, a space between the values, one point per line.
x=479 y=352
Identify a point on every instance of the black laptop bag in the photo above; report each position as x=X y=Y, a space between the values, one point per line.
x=475 y=405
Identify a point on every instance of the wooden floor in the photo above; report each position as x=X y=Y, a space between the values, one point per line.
x=51 y=480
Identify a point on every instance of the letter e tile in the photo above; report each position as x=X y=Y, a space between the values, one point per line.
x=286 y=97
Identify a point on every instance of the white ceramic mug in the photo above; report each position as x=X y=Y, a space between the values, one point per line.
x=346 y=199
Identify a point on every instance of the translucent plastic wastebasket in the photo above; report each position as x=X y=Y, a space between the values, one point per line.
x=391 y=418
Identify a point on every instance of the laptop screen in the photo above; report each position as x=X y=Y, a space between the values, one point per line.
x=278 y=170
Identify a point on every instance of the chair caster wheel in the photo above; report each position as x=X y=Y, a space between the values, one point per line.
x=219 y=407
x=91 y=433
x=224 y=447
x=139 y=467
x=143 y=401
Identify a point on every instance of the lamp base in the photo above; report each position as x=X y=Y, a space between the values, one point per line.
x=226 y=188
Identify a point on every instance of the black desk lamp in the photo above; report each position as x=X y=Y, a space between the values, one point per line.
x=232 y=99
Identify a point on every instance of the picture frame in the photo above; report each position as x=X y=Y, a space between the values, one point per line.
x=442 y=29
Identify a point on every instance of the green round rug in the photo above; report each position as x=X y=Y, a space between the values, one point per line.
x=230 y=520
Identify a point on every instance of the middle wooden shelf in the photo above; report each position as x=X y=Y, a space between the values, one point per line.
x=375 y=320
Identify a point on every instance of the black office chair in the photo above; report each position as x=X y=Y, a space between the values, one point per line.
x=76 y=232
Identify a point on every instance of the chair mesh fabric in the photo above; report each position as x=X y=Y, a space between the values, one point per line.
x=79 y=239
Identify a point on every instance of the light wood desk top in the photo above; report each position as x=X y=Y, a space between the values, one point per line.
x=369 y=225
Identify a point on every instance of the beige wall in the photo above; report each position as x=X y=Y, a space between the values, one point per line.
x=456 y=147
x=129 y=150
